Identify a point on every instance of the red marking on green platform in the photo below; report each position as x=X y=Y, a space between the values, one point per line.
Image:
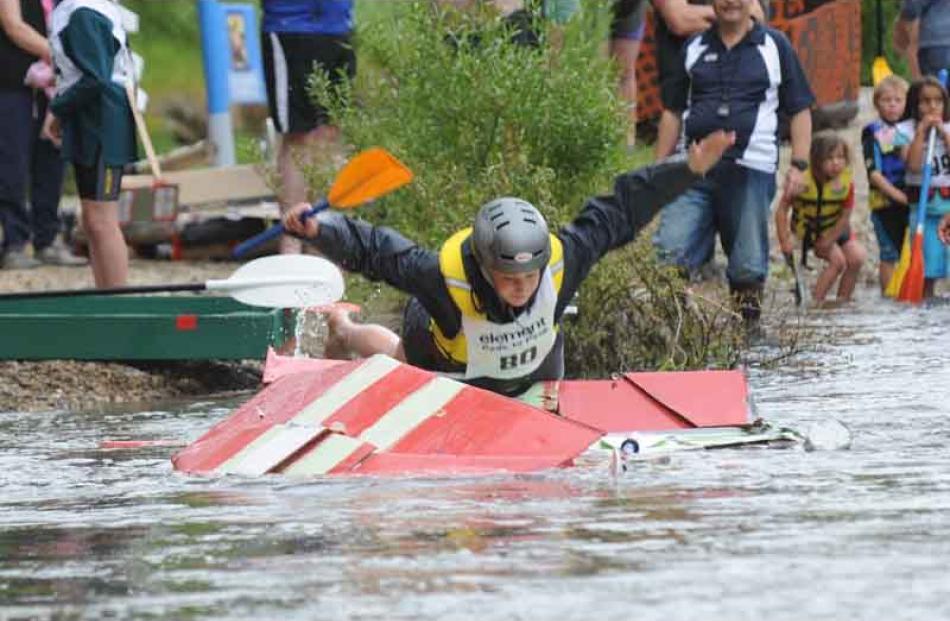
x=186 y=323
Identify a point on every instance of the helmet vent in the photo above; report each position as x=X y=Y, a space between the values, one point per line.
x=502 y=225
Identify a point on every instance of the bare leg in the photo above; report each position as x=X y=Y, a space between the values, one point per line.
x=293 y=190
x=364 y=340
x=854 y=256
x=625 y=52
x=834 y=265
x=108 y=254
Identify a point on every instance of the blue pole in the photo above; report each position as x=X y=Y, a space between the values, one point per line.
x=215 y=59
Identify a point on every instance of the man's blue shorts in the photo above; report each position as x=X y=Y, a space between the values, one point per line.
x=733 y=201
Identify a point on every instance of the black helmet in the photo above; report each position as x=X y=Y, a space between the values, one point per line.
x=510 y=235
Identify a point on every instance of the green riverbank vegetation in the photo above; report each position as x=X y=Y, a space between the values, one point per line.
x=475 y=117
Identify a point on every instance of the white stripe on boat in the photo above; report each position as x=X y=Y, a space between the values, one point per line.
x=337 y=395
x=269 y=449
x=411 y=412
x=324 y=457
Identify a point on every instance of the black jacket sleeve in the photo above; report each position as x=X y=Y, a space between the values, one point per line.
x=608 y=222
x=380 y=253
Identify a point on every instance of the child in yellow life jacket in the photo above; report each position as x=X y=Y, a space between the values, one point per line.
x=820 y=217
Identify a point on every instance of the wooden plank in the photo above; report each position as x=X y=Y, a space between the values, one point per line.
x=198 y=186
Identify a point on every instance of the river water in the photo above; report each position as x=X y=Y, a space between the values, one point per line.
x=730 y=534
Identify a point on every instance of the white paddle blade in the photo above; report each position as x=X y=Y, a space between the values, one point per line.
x=284 y=281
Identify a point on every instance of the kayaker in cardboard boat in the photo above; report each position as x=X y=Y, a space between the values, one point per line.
x=486 y=307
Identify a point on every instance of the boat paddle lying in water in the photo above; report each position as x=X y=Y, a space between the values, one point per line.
x=378 y=416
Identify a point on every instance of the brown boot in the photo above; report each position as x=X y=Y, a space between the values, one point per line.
x=747 y=301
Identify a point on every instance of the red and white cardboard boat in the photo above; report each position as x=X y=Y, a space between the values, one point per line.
x=379 y=416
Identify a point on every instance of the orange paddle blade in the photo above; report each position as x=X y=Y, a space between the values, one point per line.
x=369 y=175
x=912 y=289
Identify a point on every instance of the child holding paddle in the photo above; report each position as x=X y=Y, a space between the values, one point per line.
x=93 y=121
x=821 y=214
x=928 y=108
x=885 y=169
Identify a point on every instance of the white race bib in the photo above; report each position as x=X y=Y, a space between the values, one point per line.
x=513 y=350
x=940 y=165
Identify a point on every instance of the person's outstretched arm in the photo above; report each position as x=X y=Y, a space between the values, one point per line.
x=608 y=222
x=376 y=252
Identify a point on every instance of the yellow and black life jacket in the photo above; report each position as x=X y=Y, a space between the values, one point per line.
x=817 y=209
x=453 y=271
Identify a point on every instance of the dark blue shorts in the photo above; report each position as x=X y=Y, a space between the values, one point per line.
x=890 y=225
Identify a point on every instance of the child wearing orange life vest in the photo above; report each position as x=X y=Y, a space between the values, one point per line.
x=820 y=217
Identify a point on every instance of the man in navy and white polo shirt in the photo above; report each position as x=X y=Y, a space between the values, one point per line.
x=296 y=37
x=738 y=75
x=932 y=20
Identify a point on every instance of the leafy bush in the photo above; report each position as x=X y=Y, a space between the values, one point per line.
x=475 y=117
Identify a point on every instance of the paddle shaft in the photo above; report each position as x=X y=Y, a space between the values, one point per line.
x=225 y=285
x=925 y=181
x=72 y=293
x=274 y=231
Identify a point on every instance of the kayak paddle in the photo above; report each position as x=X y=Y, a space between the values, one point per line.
x=912 y=287
x=278 y=281
x=369 y=175
x=879 y=68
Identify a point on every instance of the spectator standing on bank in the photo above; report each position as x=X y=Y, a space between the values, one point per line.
x=737 y=75
x=930 y=21
x=93 y=122
x=298 y=36
x=27 y=162
x=626 y=33
x=674 y=22
x=885 y=168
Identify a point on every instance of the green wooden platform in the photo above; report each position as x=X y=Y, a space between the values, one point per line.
x=140 y=328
